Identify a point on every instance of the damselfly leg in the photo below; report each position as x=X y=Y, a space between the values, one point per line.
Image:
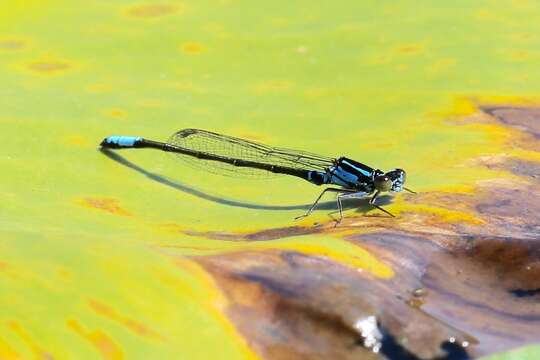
x=310 y=210
x=348 y=195
x=372 y=203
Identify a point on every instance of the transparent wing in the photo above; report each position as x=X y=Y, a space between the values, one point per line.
x=235 y=148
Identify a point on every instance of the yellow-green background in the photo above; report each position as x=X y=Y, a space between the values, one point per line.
x=85 y=256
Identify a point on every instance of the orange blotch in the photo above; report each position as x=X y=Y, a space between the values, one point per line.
x=117 y=113
x=11 y=44
x=192 y=48
x=9 y=271
x=38 y=351
x=410 y=49
x=3 y=266
x=63 y=273
x=152 y=10
x=133 y=325
x=105 y=204
x=103 y=343
x=48 y=67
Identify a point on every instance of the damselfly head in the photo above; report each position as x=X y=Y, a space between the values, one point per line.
x=383 y=182
x=397 y=178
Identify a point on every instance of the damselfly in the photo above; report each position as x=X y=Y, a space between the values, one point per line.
x=224 y=154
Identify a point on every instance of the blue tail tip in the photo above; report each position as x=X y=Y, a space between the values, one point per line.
x=116 y=141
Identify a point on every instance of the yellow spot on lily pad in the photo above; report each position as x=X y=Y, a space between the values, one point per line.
x=519 y=56
x=315 y=92
x=99 y=88
x=149 y=11
x=76 y=140
x=462 y=106
x=104 y=204
x=192 y=48
x=7 y=352
x=338 y=250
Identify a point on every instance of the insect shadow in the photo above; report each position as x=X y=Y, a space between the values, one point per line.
x=362 y=205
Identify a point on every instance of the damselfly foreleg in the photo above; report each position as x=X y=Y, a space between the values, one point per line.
x=372 y=203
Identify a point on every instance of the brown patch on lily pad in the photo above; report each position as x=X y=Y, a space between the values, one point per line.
x=520 y=167
x=109 y=205
x=294 y=306
x=524 y=119
x=269 y=234
x=479 y=284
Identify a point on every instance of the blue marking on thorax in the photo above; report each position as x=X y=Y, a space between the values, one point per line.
x=364 y=172
x=123 y=141
x=337 y=181
x=345 y=175
x=341 y=177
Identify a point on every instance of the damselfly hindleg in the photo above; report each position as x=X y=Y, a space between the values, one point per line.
x=348 y=195
x=310 y=210
x=358 y=194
